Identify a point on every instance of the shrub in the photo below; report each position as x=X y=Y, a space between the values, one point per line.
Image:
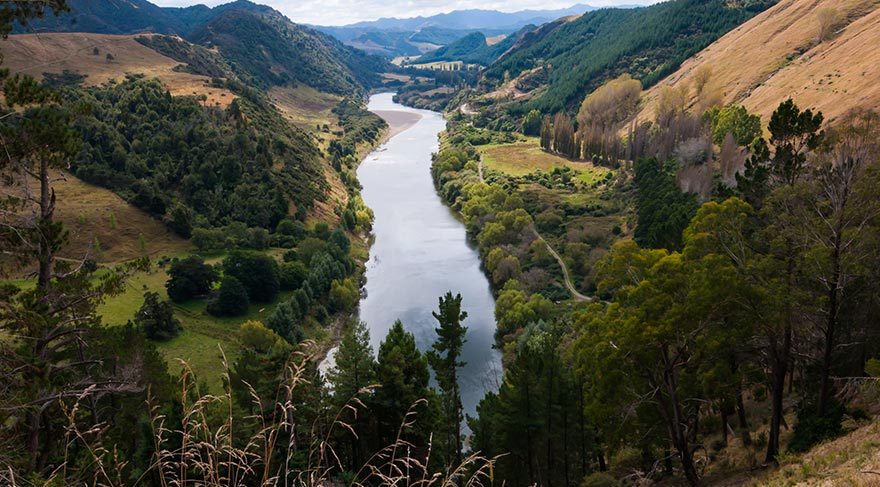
x=343 y=294
x=189 y=278
x=208 y=239
x=258 y=273
x=232 y=300
x=156 y=318
x=812 y=428
x=599 y=479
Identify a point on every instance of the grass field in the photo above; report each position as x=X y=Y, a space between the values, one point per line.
x=521 y=158
x=203 y=335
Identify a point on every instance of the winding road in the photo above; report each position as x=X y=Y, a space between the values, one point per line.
x=566 y=276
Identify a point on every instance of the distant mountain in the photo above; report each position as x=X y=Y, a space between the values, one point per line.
x=260 y=43
x=474 y=19
x=412 y=36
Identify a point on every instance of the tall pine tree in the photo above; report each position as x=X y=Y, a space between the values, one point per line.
x=445 y=359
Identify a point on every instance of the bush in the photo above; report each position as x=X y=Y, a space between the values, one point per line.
x=812 y=428
x=209 y=239
x=599 y=479
x=343 y=295
x=189 y=278
x=232 y=300
x=157 y=319
x=258 y=273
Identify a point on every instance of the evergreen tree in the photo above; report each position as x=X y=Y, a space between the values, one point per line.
x=353 y=374
x=445 y=359
x=189 y=277
x=402 y=378
x=156 y=318
x=232 y=300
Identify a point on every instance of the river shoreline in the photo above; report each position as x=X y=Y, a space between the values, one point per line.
x=420 y=249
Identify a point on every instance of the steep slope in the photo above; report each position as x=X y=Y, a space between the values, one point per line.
x=580 y=54
x=274 y=51
x=777 y=55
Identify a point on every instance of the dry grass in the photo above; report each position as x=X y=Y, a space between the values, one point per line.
x=304 y=106
x=776 y=55
x=521 y=158
x=35 y=54
x=204 y=450
x=852 y=460
x=107 y=228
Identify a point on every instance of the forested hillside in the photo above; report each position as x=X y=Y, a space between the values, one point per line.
x=474 y=49
x=649 y=43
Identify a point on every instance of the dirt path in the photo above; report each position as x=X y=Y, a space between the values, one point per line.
x=577 y=296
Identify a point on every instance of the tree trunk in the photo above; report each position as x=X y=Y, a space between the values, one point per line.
x=833 y=297
x=678 y=432
x=741 y=415
x=780 y=371
x=46 y=244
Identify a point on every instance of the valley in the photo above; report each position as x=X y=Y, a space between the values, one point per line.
x=612 y=246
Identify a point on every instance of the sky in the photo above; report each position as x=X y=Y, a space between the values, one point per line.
x=341 y=12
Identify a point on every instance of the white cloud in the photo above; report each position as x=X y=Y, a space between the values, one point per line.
x=341 y=12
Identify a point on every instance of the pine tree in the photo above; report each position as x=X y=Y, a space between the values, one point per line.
x=353 y=375
x=402 y=378
x=445 y=360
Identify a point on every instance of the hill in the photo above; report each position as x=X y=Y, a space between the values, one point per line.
x=86 y=54
x=575 y=56
x=778 y=54
x=274 y=51
x=474 y=19
x=259 y=42
x=475 y=48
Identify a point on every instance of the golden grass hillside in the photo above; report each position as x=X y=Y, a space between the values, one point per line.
x=779 y=54
x=35 y=54
x=107 y=227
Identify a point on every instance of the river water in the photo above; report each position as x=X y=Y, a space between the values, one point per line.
x=421 y=251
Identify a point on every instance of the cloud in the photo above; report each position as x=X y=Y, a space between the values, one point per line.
x=341 y=12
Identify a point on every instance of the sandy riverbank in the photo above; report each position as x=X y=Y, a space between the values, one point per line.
x=398 y=121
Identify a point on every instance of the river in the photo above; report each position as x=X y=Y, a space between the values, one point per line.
x=420 y=251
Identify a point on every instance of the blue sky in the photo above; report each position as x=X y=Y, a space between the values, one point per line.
x=340 y=12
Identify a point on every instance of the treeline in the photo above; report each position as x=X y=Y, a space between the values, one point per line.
x=191 y=165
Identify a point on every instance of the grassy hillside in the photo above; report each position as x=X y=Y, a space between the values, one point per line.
x=86 y=54
x=779 y=54
x=649 y=43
